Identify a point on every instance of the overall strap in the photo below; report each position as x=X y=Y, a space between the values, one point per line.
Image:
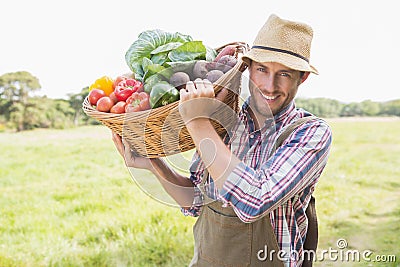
x=288 y=130
x=311 y=241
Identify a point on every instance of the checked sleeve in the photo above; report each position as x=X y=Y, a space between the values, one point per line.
x=196 y=176
x=294 y=166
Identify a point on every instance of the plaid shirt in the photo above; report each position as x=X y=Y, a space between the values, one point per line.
x=278 y=185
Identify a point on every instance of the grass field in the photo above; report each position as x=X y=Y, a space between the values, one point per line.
x=66 y=199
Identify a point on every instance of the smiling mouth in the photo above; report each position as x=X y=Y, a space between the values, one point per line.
x=270 y=98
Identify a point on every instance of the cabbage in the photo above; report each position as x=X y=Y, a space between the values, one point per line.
x=157 y=50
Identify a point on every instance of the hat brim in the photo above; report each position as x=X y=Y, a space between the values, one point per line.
x=288 y=60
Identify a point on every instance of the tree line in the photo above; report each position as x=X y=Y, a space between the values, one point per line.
x=330 y=108
x=21 y=110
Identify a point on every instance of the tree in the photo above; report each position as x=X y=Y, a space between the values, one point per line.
x=322 y=107
x=75 y=101
x=16 y=115
x=16 y=86
x=44 y=112
x=352 y=109
x=370 y=108
x=391 y=108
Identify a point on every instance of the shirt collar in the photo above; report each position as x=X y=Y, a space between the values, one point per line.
x=245 y=115
x=280 y=116
x=248 y=120
x=284 y=113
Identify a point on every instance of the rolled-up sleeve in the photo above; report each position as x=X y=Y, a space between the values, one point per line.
x=195 y=209
x=196 y=176
x=294 y=165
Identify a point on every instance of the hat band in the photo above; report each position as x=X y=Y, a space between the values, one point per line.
x=281 y=51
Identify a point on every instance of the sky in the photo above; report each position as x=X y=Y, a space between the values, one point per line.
x=67 y=45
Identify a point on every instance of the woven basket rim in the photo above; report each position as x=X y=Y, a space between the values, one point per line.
x=116 y=121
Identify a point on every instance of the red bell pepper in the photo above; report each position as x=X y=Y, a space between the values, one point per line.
x=126 y=88
x=138 y=101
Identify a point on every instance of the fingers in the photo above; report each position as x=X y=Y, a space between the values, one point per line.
x=190 y=87
x=187 y=92
x=198 y=88
x=123 y=148
x=208 y=88
x=130 y=158
x=127 y=151
x=204 y=88
x=118 y=143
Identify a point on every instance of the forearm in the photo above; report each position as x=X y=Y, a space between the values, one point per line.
x=295 y=166
x=179 y=187
x=218 y=159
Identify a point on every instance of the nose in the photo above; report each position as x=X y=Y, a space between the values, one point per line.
x=269 y=84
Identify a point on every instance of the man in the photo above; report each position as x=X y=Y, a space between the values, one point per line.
x=250 y=195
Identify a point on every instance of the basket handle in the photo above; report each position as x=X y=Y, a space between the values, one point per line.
x=241 y=47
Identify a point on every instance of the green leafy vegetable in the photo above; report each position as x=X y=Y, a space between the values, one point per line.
x=188 y=51
x=167 y=47
x=159 y=58
x=210 y=54
x=155 y=51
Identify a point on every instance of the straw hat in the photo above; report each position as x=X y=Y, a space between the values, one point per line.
x=283 y=41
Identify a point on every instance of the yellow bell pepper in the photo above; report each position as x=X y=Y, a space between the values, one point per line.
x=104 y=83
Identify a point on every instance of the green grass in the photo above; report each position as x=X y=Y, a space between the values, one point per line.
x=359 y=192
x=66 y=199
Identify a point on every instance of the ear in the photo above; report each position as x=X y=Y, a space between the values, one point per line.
x=304 y=77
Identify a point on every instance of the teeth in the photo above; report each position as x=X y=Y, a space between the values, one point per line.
x=269 y=97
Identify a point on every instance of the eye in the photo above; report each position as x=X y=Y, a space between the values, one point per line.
x=261 y=69
x=285 y=74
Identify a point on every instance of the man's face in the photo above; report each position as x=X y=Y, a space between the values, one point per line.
x=272 y=86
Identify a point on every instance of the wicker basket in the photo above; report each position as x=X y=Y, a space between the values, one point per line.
x=161 y=131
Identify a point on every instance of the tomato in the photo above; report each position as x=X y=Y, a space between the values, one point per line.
x=104 y=104
x=113 y=97
x=118 y=108
x=118 y=80
x=95 y=95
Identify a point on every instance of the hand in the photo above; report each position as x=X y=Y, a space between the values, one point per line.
x=130 y=160
x=198 y=100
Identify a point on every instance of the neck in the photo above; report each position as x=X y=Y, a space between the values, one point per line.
x=257 y=118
